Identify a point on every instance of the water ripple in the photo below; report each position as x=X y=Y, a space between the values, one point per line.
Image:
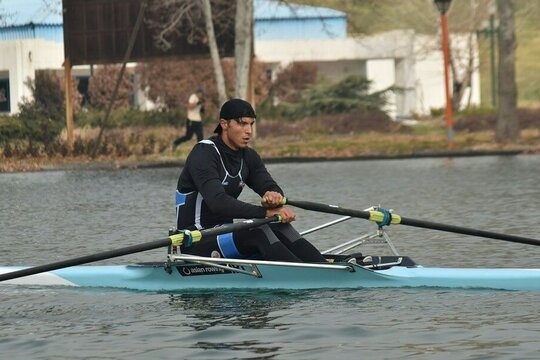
x=55 y=215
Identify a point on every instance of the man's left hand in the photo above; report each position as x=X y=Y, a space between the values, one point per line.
x=271 y=199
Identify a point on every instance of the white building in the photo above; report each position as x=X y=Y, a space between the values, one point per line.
x=408 y=61
x=283 y=34
x=19 y=61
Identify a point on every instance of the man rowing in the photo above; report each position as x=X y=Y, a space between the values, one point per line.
x=210 y=183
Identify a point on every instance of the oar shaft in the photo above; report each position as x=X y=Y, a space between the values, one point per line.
x=334 y=209
x=468 y=231
x=329 y=209
x=240 y=225
x=86 y=259
x=173 y=239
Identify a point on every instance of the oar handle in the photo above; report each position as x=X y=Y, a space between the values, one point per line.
x=396 y=219
x=175 y=240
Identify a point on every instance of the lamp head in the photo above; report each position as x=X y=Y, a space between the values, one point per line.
x=443 y=5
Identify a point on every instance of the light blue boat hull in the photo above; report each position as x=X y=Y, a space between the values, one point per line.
x=146 y=277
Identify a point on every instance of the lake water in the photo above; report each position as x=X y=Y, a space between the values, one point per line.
x=54 y=215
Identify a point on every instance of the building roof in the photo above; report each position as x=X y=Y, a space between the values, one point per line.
x=273 y=20
x=52 y=32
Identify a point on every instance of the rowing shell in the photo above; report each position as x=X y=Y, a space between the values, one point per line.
x=208 y=273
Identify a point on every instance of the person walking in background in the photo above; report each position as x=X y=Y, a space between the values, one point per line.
x=215 y=172
x=195 y=111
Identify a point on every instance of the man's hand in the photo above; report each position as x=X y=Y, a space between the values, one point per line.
x=287 y=214
x=271 y=199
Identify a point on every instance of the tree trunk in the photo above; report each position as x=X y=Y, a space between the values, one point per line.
x=243 y=46
x=460 y=84
x=507 y=122
x=214 y=52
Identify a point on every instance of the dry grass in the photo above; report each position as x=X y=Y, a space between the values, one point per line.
x=308 y=145
x=332 y=136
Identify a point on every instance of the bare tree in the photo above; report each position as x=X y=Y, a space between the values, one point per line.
x=507 y=122
x=196 y=19
x=243 y=46
x=214 y=52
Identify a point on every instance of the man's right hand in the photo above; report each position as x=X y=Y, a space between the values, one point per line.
x=287 y=214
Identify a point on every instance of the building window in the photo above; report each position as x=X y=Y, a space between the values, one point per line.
x=4 y=96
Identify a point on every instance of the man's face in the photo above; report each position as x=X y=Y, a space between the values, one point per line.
x=236 y=133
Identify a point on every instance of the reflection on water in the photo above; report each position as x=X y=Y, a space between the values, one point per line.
x=212 y=313
x=254 y=347
x=239 y=309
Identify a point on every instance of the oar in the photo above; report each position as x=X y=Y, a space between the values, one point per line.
x=378 y=216
x=174 y=240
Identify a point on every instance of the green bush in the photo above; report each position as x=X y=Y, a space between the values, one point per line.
x=10 y=128
x=350 y=94
x=42 y=118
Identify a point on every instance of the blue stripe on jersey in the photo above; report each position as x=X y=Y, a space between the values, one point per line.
x=227 y=246
x=180 y=198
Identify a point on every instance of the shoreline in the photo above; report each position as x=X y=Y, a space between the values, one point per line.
x=427 y=141
x=34 y=165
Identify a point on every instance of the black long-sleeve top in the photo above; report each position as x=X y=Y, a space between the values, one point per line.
x=204 y=178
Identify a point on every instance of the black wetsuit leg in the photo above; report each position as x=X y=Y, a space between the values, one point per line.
x=274 y=242
x=263 y=242
x=250 y=243
x=299 y=246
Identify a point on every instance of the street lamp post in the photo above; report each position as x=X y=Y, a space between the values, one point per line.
x=443 y=6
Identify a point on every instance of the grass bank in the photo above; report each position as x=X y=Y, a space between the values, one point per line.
x=428 y=138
